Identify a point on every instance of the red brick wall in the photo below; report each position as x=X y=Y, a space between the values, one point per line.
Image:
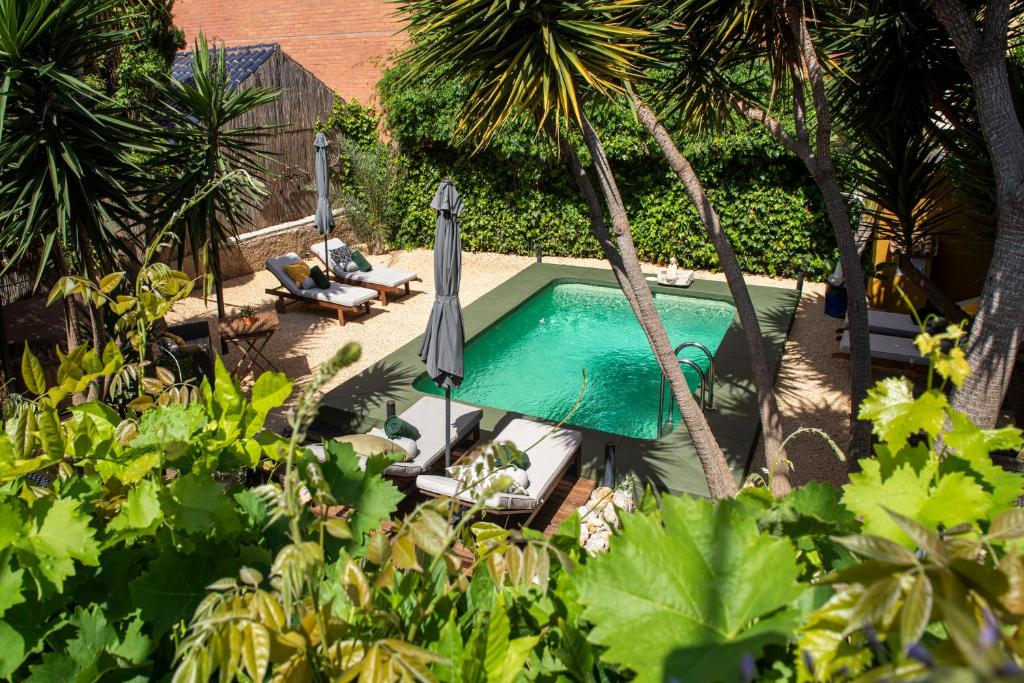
x=343 y=42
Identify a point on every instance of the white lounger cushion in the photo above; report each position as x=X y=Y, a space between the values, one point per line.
x=548 y=461
x=383 y=277
x=889 y=323
x=883 y=347
x=337 y=293
x=427 y=415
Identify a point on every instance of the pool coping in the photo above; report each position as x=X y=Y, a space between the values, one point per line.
x=669 y=462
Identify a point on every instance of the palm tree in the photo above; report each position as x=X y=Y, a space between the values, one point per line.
x=720 y=45
x=980 y=34
x=67 y=173
x=534 y=58
x=207 y=144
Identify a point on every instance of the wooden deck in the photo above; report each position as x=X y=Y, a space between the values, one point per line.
x=568 y=496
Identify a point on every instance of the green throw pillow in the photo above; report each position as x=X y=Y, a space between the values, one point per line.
x=320 y=278
x=361 y=261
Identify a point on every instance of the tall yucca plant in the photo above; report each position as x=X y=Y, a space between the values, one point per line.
x=208 y=147
x=67 y=173
x=535 y=57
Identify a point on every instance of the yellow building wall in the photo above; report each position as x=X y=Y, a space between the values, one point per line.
x=958 y=268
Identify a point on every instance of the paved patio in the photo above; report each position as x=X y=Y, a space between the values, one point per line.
x=812 y=388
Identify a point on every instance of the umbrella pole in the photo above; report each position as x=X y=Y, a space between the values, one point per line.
x=447 y=427
x=327 y=259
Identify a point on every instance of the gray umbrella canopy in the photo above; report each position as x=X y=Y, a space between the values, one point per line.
x=442 y=345
x=443 y=340
x=324 y=215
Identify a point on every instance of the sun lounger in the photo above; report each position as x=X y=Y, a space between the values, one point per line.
x=895 y=324
x=890 y=324
x=549 y=461
x=388 y=282
x=427 y=415
x=338 y=297
x=898 y=350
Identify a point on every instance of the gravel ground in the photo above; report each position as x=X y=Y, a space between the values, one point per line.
x=812 y=388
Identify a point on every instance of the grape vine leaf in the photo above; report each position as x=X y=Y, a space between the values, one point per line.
x=141 y=512
x=371 y=497
x=912 y=491
x=688 y=592
x=896 y=415
x=171 y=429
x=199 y=506
x=174 y=584
x=56 y=534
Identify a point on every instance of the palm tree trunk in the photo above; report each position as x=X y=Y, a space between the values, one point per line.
x=771 y=419
x=218 y=285
x=995 y=338
x=627 y=270
x=950 y=311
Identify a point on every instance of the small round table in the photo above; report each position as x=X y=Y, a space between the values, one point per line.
x=250 y=336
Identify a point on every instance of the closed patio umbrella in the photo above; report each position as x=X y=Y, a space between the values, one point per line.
x=443 y=340
x=324 y=215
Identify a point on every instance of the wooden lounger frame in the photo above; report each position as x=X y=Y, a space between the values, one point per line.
x=383 y=291
x=575 y=466
x=283 y=295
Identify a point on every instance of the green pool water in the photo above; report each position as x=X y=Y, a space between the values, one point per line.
x=531 y=361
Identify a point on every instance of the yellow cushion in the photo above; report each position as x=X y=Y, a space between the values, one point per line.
x=368 y=444
x=297 y=271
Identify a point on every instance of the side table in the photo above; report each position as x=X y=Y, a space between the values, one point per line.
x=250 y=336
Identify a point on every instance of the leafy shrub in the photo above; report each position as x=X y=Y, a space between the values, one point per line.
x=364 y=191
x=183 y=536
x=518 y=194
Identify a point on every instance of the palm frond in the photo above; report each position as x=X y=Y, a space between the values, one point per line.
x=529 y=57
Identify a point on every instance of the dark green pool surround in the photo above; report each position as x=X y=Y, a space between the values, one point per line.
x=668 y=463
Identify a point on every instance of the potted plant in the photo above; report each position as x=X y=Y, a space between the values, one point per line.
x=248 y=314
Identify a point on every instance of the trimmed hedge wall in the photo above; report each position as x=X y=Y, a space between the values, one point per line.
x=518 y=195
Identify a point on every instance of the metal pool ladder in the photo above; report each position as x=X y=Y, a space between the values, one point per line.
x=707 y=386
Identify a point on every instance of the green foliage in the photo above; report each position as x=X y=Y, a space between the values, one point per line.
x=67 y=152
x=518 y=194
x=709 y=602
x=186 y=537
x=352 y=121
x=144 y=55
x=365 y=191
x=914 y=479
x=539 y=56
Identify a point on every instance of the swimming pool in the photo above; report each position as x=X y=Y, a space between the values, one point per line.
x=531 y=360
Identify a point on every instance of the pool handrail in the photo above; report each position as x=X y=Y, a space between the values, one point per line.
x=711 y=368
x=671 y=403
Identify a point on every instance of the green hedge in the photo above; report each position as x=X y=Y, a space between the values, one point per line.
x=517 y=195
